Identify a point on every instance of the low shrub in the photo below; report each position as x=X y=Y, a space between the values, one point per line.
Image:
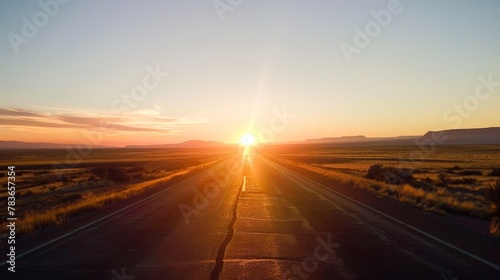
x=495 y=172
x=391 y=175
x=116 y=174
x=464 y=181
x=493 y=194
x=444 y=179
x=470 y=173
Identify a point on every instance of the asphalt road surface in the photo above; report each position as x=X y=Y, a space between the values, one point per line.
x=247 y=218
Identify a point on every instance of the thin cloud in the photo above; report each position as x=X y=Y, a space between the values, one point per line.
x=35 y=123
x=17 y=113
x=140 y=121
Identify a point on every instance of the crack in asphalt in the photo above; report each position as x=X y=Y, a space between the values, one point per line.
x=219 y=260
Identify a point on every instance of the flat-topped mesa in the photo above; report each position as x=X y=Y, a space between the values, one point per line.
x=490 y=135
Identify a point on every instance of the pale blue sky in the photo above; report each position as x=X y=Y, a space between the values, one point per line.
x=227 y=76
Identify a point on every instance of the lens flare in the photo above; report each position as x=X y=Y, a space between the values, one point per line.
x=247 y=140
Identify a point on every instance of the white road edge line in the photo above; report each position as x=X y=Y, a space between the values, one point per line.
x=103 y=218
x=244 y=183
x=396 y=220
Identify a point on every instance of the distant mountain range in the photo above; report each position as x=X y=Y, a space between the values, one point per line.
x=191 y=144
x=38 y=145
x=360 y=139
x=490 y=135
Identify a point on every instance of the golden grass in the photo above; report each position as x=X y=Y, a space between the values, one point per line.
x=412 y=192
x=440 y=201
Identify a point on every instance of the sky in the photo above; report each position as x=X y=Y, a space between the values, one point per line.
x=151 y=72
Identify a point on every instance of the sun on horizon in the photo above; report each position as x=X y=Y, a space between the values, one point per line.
x=247 y=140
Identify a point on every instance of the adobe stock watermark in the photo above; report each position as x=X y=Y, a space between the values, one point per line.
x=223 y=6
x=121 y=105
x=483 y=91
x=221 y=179
x=277 y=123
x=456 y=114
x=363 y=37
x=30 y=28
x=324 y=253
x=121 y=276
x=201 y=198
x=150 y=82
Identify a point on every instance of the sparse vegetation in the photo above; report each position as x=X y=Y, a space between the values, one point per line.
x=470 y=173
x=113 y=173
x=451 y=180
x=444 y=179
x=389 y=174
x=428 y=180
x=495 y=172
x=455 y=168
x=48 y=195
x=464 y=181
x=32 y=221
x=493 y=194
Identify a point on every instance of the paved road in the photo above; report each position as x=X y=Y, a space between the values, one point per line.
x=245 y=218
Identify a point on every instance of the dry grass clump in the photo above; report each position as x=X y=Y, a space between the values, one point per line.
x=493 y=194
x=412 y=192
